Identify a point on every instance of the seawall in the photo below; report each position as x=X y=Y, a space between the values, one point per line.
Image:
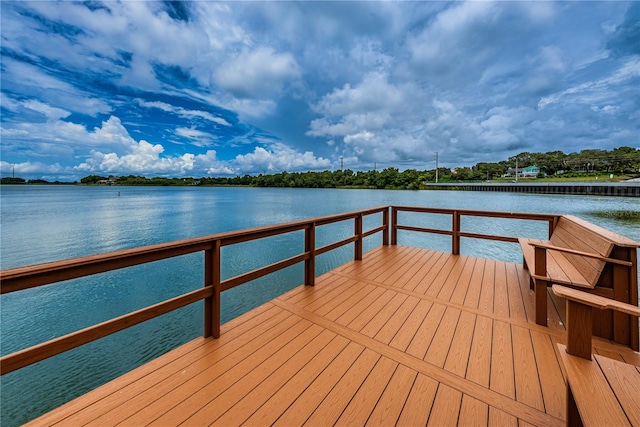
x=621 y=189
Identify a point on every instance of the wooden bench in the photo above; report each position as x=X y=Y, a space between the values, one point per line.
x=600 y=391
x=582 y=255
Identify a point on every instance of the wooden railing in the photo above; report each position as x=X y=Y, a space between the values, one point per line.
x=456 y=215
x=22 y=278
x=18 y=279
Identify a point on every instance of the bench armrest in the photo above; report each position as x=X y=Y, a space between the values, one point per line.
x=579 y=317
x=595 y=300
x=585 y=254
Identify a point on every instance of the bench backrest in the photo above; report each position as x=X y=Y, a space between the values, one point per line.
x=574 y=235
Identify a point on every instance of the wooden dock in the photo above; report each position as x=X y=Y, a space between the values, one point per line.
x=405 y=336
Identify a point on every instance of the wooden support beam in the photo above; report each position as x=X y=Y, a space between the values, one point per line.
x=540 y=285
x=310 y=263
x=358 y=242
x=579 y=329
x=455 y=243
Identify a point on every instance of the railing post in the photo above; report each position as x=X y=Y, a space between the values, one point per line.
x=358 y=243
x=212 y=303
x=385 y=224
x=552 y=226
x=394 y=225
x=310 y=247
x=540 y=285
x=455 y=243
x=579 y=329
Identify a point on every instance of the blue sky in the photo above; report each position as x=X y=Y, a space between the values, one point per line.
x=203 y=88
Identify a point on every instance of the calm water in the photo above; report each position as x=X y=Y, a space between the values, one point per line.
x=43 y=223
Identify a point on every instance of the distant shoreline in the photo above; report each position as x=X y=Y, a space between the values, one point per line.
x=629 y=188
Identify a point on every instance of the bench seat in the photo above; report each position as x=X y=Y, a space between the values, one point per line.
x=604 y=391
x=600 y=391
x=559 y=267
x=582 y=255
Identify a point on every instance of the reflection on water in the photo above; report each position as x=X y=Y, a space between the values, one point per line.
x=45 y=223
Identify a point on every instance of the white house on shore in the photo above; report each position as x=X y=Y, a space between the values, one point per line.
x=528 y=172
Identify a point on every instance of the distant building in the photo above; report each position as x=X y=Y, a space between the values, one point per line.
x=528 y=172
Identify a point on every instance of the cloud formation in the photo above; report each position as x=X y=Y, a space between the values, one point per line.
x=224 y=88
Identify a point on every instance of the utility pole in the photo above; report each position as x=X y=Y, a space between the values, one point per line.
x=436 y=167
x=516 y=169
x=341 y=163
x=13 y=171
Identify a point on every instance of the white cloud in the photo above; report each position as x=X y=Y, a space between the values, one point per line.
x=182 y=112
x=31 y=168
x=197 y=138
x=374 y=119
x=257 y=73
x=279 y=157
x=401 y=81
x=374 y=93
x=33 y=82
x=598 y=91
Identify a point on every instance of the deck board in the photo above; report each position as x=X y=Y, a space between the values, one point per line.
x=405 y=337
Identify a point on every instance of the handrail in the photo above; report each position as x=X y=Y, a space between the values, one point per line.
x=21 y=278
x=456 y=215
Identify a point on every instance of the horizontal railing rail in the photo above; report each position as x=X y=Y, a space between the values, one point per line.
x=456 y=215
x=22 y=278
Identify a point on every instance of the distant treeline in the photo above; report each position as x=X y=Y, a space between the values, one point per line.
x=16 y=180
x=619 y=161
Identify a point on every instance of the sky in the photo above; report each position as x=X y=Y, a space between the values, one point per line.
x=202 y=88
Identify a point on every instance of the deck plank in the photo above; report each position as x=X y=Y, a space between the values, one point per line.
x=516 y=304
x=363 y=402
x=501 y=296
x=456 y=275
x=472 y=298
x=430 y=267
x=418 y=405
x=257 y=396
x=462 y=286
x=485 y=302
x=473 y=412
x=438 y=270
x=392 y=401
x=182 y=402
x=405 y=337
x=446 y=407
x=335 y=402
x=502 y=371
x=356 y=310
x=439 y=348
x=394 y=324
x=479 y=367
x=458 y=356
x=407 y=332
x=173 y=380
x=550 y=374
x=279 y=402
x=528 y=388
x=418 y=270
x=354 y=358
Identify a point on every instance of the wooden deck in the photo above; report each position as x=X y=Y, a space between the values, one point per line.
x=406 y=336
